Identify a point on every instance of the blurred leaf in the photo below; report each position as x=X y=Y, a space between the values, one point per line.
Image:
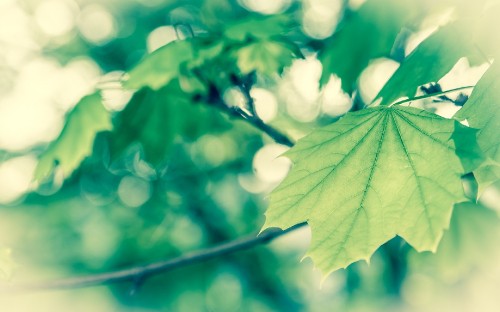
x=339 y=184
x=7 y=264
x=471 y=240
x=487 y=174
x=217 y=12
x=160 y=67
x=185 y=59
x=154 y=118
x=146 y=119
x=265 y=57
x=76 y=139
x=205 y=49
x=481 y=28
x=259 y=27
x=368 y=33
x=429 y=62
x=482 y=111
x=260 y=44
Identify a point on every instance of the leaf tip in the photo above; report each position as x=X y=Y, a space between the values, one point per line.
x=367 y=259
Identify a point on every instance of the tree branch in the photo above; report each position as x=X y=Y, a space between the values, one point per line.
x=215 y=99
x=435 y=89
x=141 y=273
x=245 y=85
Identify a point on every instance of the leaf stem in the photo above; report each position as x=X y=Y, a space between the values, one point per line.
x=426 y=96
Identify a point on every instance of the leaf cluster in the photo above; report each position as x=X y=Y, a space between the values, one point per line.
x=380 y=172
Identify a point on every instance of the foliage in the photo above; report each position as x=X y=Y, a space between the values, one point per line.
x=482 y=113
x=429 y=62
x=365 y=217
x=76 y=139
x=463 y=248
x=342 y=190
x=172 y=170
x=366 y=34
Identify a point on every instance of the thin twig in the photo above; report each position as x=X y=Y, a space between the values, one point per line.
x=215 y=99
x=245 y=85
x=433 y=88
x=426 y=96
x=141 y=273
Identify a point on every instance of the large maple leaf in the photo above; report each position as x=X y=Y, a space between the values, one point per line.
x=372 y=175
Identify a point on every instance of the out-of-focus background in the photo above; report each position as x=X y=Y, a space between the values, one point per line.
x=212 y=189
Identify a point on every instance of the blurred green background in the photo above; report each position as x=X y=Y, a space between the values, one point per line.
x=213 y=186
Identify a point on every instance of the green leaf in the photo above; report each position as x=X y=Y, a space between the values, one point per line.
x=258 y=44
x=429 y=62
x=155 y=118
x=265 y=57
x=146 y=119
x=258 y=27
x=372 y=175
x=369 y=33
x=7 y=263
x=474 y=230
x=205 y=49
x=255 y=44
x=487 y=174
x=482 y=111
x=76 y=139
x=160 y=67
x=471 y=241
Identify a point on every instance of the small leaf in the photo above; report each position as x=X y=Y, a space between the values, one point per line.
x=265 y=57
x=155 y=118
x=259 y=27
x=470 y=242
x=372 y=175
x=429 y=62
x=147 y=119
x=482 y=111
x=160 y=67
x=76 y=139
x=7 y=264
x=205 y=49
x=487 y=174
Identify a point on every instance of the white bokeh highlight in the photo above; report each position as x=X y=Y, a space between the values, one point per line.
x=160 y=37
x=16 y=175
x=96 y=24
x=268 y=165
x=265 y=102
x=56 y=17
x=265 y=6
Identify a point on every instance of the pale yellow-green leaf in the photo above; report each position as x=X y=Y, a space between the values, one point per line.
x=160 y=67
x=7 y=263
x=482 y=111
x=76 y=139
x=266 y=57
x=372 y=175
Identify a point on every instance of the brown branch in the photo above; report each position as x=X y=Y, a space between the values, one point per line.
x=141 y=273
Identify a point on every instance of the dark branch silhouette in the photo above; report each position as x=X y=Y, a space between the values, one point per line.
x=141 y=273
x=215 y=99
